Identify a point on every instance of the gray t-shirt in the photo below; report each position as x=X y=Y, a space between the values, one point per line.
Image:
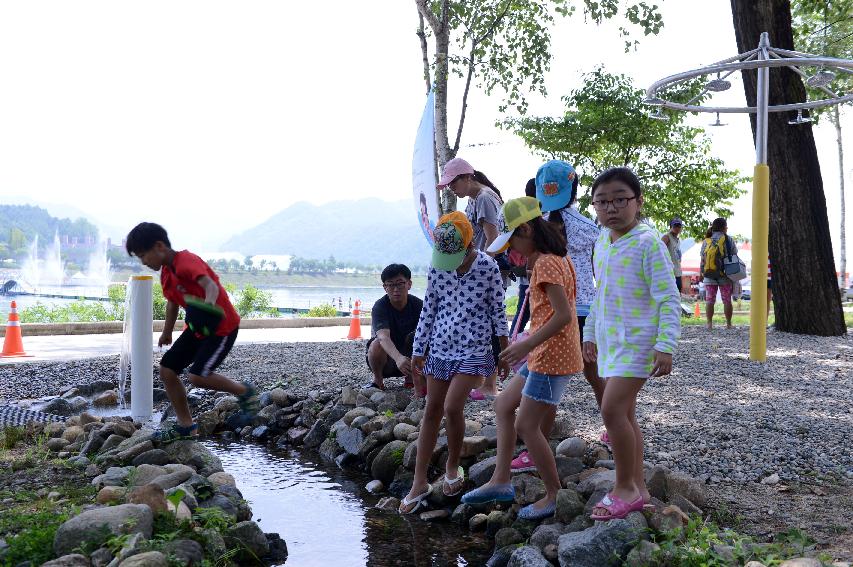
x=732 y=249
x=674 y=247
x=486 y=206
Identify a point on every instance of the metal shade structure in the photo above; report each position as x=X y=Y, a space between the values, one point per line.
x=763 y=58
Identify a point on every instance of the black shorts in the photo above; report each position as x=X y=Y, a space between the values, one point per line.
x=203 y=356
x=390 y=369
x=581 y=323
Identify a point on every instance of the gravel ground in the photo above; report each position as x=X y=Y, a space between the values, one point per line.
x=719 y=416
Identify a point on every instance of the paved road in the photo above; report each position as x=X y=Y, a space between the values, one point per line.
x=70 y=347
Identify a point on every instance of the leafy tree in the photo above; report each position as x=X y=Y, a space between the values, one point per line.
x=502 y=45
x=804 y=301
x=824 y=27
x=607 y=125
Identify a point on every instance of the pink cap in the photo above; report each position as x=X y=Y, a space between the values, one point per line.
x=453 y=169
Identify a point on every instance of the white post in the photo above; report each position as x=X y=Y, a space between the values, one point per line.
x=141 y=351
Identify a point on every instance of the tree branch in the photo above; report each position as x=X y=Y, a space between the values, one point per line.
x=424 y=51
x=427 y=14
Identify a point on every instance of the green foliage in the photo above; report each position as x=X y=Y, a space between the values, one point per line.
x=506 y=45
x=825 y=28
x=176 y=497
x=704 y=544
x=213 y=518
x=11 y=436
x=20 y=224
x=511 y=305
x=250 y=301
x=33 y=535
x=607 y=125
x=324 y=310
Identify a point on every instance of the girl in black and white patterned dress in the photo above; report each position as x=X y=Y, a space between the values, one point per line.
x=463 y=308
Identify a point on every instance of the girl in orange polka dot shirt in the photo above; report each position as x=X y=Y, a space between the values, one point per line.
x=553 y=355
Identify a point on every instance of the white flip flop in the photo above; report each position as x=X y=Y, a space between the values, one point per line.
x=417 y=501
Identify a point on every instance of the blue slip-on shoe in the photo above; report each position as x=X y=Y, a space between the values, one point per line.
x=530 y=513
x=485 y=494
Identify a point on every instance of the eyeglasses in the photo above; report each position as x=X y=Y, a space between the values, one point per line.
x=618 y=203
x=394 y=285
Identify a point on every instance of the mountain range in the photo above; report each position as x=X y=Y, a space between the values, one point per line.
x=365 y=231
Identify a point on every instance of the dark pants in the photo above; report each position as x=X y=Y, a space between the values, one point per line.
x=390 y=370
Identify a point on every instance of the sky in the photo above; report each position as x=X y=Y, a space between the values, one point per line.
x=211 y=116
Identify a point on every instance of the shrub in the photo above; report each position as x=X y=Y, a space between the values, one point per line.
x=324 y=310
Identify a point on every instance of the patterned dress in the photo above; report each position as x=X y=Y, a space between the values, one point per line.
x=459 y=317
x=636 y=309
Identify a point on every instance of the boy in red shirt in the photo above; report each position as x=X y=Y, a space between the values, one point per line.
x=182 y=274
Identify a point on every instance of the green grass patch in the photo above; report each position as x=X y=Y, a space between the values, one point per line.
x=30 y=534
x=705 y=544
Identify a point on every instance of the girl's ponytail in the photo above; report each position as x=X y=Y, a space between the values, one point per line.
x=481 y=178
x=548 y=238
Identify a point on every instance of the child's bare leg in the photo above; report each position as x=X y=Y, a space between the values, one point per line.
x=590 y=372
x=454 y=418
x=490 y=386
x=531 y=414
x=433 y=412
x=177 y=396
x=639 y=470
x=620 y=396
x=218 y=382
x=709 y=314
x=505 y=406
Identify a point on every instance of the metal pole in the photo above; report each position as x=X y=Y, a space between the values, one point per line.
x=760 y=214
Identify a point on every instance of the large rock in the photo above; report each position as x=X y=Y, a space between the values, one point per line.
x=106 y=400
x=72 y=433
x=604 y=544
x=316 y=435
x=194 y=455
x=350 y=439
x=151 y=495
x=157 y=457
x=403 y=430
x=249 y=540
x=481 y=472
x=528 y=489
x=473 y=446
x=147 y=559
x=599 y=481
x=358 y=412
x=643 y=555
x=185 y=551
x=527 y=556
x=143 y=474
x=114 y=476
x=569 y=506
x=685 y=485
x=568 y=466
x=349 y=396
x=57 y=444
x=73 y=560
x=58 y=406
x=572 y=447
x=389 y=459
x=97 y=526
x=546 y=534
x=508 y=536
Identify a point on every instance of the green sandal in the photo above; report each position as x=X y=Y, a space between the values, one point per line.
x=249 y=403
x=175 y=432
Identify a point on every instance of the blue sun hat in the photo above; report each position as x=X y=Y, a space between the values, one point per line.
x=555 y=185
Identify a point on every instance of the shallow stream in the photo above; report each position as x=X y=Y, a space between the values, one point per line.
x=327 y=517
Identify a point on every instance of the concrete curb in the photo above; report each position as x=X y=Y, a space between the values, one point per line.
x=113 y=327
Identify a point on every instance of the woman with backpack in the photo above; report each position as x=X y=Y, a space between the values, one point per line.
x=714 y=248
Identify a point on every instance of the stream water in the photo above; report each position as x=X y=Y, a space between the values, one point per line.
x=327 y=518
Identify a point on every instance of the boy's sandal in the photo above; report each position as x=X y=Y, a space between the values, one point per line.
x=249 y=401
x=415 y=503
x=447 y=487
x=616 y=508
x=175 y=432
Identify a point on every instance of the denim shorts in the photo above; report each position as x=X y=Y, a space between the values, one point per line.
x=545 y=388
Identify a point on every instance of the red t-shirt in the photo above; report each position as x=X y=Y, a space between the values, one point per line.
x=181 y=278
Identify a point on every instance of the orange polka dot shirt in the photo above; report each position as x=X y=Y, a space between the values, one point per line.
x=560 y=354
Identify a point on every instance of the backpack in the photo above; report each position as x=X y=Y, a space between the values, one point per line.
x=714 y=254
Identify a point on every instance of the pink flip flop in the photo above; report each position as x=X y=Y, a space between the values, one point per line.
x=476 y=395
x=616 y=508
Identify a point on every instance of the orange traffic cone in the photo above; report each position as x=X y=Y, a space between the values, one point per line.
x=696 y=312
x=355 y=323
x=13 y=345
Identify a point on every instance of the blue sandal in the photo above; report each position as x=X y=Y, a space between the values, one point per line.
x=484 y=495
x=531 y=513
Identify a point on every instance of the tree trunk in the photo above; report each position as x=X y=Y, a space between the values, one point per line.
x=836 y=121
x=805 y=290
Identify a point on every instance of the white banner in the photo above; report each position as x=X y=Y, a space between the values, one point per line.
x=424 y=171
